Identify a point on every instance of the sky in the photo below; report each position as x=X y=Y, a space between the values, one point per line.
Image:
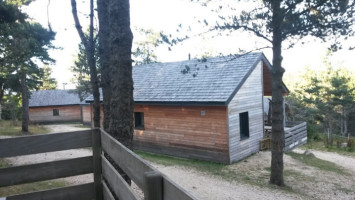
x=163 y=15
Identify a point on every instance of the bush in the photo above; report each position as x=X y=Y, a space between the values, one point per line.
x=313 y=133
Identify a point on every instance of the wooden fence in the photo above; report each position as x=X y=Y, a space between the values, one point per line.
x=107 y=181
x=295 y=136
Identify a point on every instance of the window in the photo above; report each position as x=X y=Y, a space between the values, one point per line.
x=55 y=112
x=139 y=120
x=244 y=125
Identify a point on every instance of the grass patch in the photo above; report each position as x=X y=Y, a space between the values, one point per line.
x=8 y=129
x=318 y=163
x=3 y=163
x=84 y=126
x=320 y=146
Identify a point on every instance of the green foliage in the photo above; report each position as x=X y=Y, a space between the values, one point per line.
x=81 y=71
x=325 y=99
x=47 y=83
x=144 y=50
x=11 y=108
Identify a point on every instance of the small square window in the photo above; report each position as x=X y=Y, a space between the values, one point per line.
x=139 y=120
x=55 y=112
x=244 y=125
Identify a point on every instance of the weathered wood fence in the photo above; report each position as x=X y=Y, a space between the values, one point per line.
x=107 y=181
x=295 y=136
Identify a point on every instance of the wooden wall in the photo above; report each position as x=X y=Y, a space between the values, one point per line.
x=86 y=114
x=249 y=98
x=45 y=114
x=182 y=131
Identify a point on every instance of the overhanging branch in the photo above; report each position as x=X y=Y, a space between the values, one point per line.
x=77 y=24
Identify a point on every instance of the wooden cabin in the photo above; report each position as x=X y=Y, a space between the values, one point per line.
x=203 y=109
x=52 y=106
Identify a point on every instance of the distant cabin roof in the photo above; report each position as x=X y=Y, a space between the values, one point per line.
x=53 y=98
x=194 y=82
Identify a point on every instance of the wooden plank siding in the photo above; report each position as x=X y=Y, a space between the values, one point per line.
x=249 y=99
x=45 y=114
x=183 y=131
x=86 y=116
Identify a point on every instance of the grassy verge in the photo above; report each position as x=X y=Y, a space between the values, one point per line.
x=320 y=146
x=8 y=129
x=318 y=163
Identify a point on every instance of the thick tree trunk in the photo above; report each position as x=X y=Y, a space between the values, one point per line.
x=121 y=125
x=89 y=44
x=104 y=53
x=122 y=104
x=278 y=135
x=25 y=102
x=93 y=71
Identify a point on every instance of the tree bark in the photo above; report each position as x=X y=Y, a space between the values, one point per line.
x=89 y=44
x=278 y=135
x=104 y=53
x=25 y=102
x=122 y=104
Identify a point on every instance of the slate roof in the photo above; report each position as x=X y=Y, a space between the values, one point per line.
x=214 y=81
x=53 y=98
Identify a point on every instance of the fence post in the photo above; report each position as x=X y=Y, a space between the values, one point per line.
x=96 y=150
x=154 y=183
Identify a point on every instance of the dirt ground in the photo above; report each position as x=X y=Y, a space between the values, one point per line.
x=304 y=182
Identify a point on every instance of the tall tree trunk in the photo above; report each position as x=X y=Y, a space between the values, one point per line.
x=104 y=53
x=25 y=102
x=122 y=104
x=1 y=97
x=89 y=44
x=93 y=71
x=277 y=136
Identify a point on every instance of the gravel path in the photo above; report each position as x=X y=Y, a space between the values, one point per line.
x=341 y=160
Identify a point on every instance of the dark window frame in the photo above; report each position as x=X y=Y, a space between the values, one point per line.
x=55 y=112
x=139 y=120
x=244 y=125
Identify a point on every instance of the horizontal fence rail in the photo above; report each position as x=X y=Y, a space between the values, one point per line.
x=26 y=145
x=142 y=173
x=295 y=136
x=84 y=191
x=108 y=183
x=45 y=171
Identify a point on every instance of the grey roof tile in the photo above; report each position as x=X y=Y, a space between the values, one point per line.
x=215 y=81
x=53 y=98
